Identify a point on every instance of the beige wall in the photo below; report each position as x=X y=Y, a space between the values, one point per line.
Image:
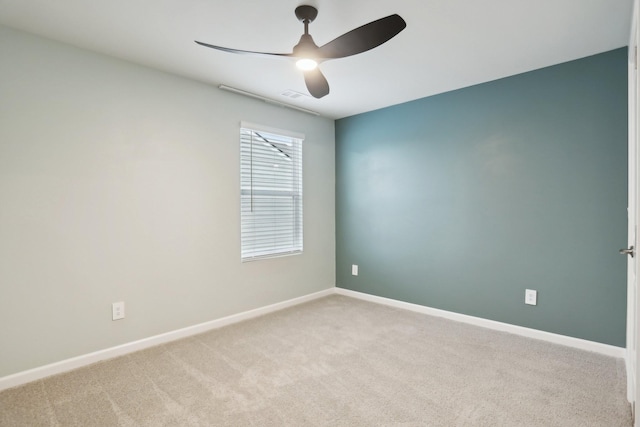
x=118 y=182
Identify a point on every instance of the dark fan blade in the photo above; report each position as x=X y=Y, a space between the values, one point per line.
x=363 y=38
x=245 y=52
x=316 y=83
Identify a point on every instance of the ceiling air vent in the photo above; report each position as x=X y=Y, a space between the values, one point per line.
x=292 y=94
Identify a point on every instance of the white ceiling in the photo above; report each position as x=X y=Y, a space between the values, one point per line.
x=448 y=44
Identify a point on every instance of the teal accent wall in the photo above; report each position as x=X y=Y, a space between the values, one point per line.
x=463 y=200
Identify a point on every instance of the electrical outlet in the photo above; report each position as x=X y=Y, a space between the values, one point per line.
x=117 y=310
x=530 y=297
x=354 y=270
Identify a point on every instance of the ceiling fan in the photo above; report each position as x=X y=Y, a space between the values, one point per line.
x=308 y=55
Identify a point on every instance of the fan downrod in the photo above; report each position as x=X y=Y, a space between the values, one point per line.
x=306 y=14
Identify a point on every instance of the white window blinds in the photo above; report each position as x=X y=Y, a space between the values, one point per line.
x=270 y=192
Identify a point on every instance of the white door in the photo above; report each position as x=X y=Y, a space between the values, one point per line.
x=633 y=297
x=632 y=213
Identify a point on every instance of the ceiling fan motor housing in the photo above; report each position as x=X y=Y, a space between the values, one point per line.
x=306 y=47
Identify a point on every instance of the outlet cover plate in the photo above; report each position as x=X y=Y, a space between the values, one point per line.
x=117 y=310
x=354 y=269
x=530 y=297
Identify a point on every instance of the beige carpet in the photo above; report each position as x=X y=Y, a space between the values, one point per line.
x=336 y=361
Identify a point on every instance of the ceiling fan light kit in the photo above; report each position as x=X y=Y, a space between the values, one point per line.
x=306 y=64
x=308 y=55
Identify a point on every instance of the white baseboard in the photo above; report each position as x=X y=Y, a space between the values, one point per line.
x=120 y=350
x=605 y=349
x=87 y=359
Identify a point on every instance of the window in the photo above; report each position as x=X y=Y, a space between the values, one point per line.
x=270 y=192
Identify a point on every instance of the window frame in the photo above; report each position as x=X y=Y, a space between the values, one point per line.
x=270 y=214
